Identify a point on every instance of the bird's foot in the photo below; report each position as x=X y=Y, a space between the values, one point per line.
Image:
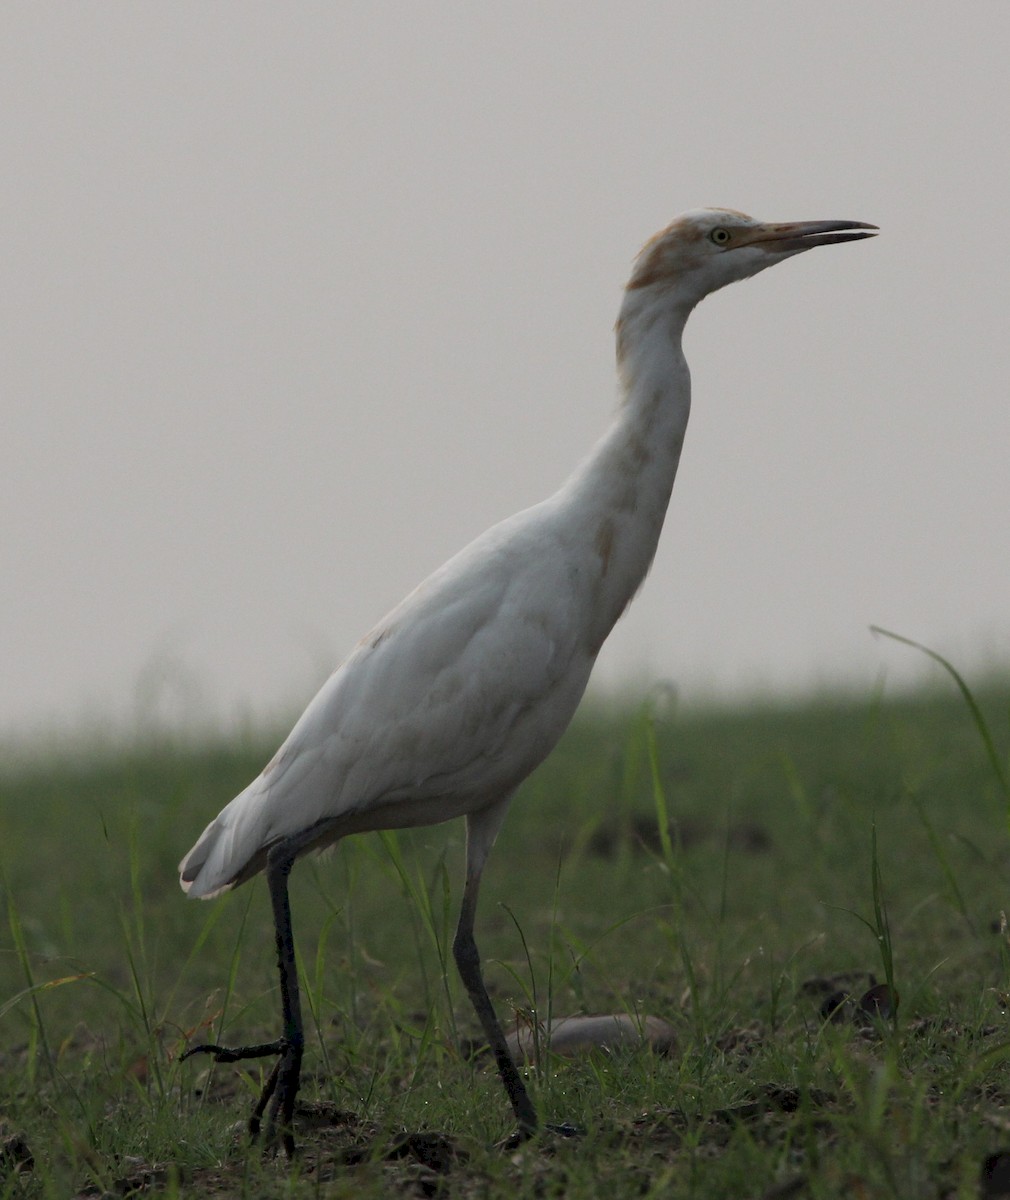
x=277 y=1099
x=228 y=1054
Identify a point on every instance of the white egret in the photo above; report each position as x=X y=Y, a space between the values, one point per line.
x=447 y=705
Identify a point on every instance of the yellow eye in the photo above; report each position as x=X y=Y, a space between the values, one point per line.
x=720 y=236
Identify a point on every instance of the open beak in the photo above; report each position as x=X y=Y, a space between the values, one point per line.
x=801 y=235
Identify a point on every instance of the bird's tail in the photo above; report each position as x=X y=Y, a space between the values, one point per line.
x=229 y=851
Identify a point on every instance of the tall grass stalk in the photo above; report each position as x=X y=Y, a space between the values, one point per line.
x=659 y=800
x=880 y=926
x=37 y=1031
x=418 y=895
x=999 y=770
x=953 y=887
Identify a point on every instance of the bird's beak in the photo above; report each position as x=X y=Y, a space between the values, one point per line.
x=802 y=235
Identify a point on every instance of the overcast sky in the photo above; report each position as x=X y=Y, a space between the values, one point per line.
x=299 y=298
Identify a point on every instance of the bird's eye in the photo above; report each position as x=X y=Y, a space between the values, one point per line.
x=720 y=236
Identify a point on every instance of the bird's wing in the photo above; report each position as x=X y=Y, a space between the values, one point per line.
x=434 y=690
x=427 y=705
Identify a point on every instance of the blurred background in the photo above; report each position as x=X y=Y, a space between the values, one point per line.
x=300 y=298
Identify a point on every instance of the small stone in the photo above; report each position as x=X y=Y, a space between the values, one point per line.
x=571 y=1036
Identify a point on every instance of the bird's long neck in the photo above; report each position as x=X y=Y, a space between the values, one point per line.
x=622 y=491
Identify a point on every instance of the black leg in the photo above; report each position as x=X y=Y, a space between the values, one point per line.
x=481 y=830
x=278 y=1096
x=277 y=1100
x=464 y=950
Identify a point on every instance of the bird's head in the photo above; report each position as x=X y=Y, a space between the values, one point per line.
x=703 y=250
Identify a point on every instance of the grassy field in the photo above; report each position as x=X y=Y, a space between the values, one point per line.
x=821 y=922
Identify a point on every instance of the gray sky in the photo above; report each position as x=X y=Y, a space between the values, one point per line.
x=300 y=298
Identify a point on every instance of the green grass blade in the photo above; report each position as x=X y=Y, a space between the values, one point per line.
x=977 y=716
x=36 y=988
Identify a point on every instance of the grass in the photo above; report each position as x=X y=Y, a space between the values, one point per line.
x=808 y=849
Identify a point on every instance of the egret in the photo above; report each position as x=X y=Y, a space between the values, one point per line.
x=450 y=702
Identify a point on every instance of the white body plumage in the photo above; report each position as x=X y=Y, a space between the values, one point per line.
x=466 y=686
